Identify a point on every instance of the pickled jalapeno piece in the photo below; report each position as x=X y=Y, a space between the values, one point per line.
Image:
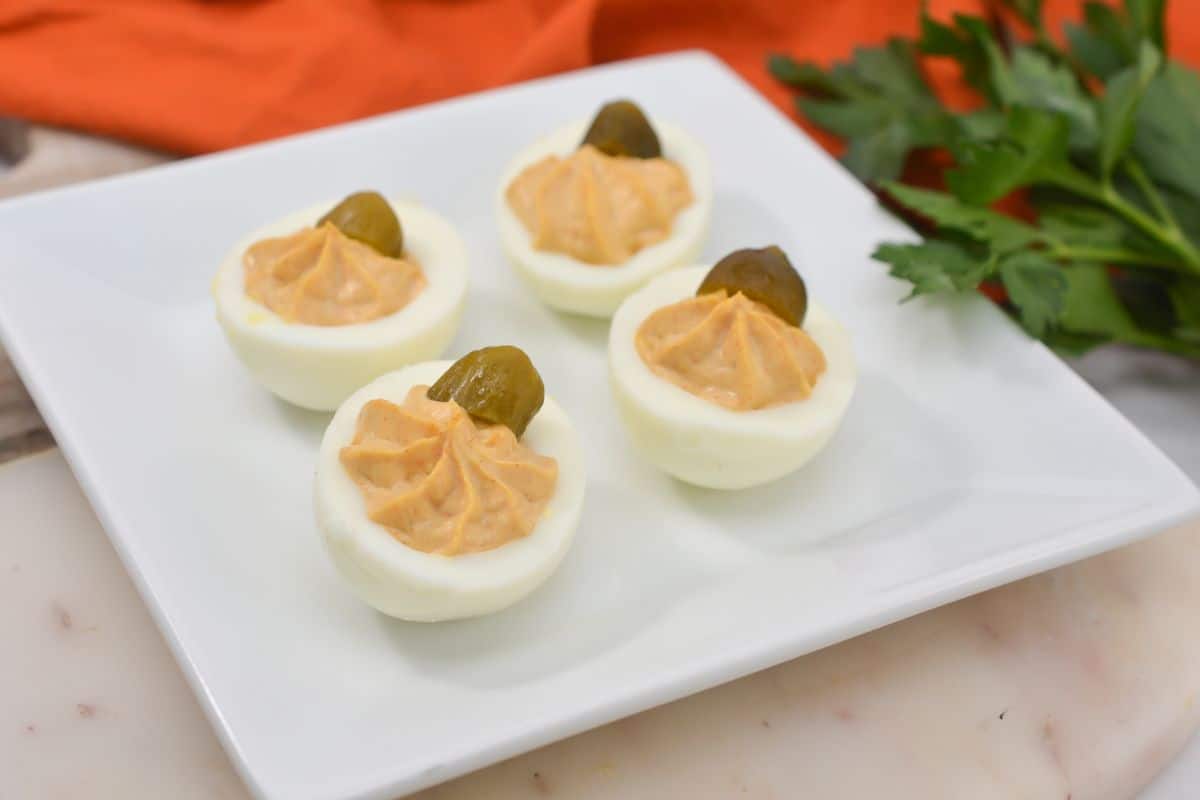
x=765 y=276
x=496 y=385
x=367 y=217
x=621 y=129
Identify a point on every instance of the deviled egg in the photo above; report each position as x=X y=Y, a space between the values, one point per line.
x=448 y=490
x=326 y=299
x=730 y=377
x=593 y=211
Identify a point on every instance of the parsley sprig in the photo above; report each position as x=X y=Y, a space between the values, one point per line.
x=1101 y=135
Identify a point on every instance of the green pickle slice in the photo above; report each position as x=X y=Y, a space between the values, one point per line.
x=621 y=129
x=765 y=276
x=496 y=385
x=367 y=217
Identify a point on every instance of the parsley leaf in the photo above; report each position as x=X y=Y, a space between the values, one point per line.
x=801 y=75
x=1082 y=226
x=1106 y=42
x=1035 y=81
x=1094 y=51
x=1147 y=300
x=878 y=101
x=1090 y=228
x=1092 y=307
x=1034 y=144
x=1148 y=18
x=1097 y=308
x=1168 y=128
x=1185 y=297
x=948 y=212
x=934 y=266
x=1037 y=287
x=961 y=43
x=1099 y=137
x=1030 y=11
x=1119 y=107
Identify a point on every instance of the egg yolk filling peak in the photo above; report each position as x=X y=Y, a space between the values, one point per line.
x=441 y=483
x=320 y=276
x=597 y=208
x=731 y=351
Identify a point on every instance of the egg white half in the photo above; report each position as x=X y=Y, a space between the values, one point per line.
x=703 y=443
x=567 y=284
x=316 y=366
x=426 y=587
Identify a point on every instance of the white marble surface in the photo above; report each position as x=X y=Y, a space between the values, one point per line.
x=91 y=702
x=53 y=157
x=1075 y=683
x=1180 y=780
x=1162 y=396
x=1079 y=684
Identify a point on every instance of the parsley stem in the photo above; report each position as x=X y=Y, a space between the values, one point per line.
x=1113 y=255
x=1134 y=168
x=1167 y=235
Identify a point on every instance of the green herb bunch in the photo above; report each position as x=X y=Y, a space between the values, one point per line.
x=1102 y=134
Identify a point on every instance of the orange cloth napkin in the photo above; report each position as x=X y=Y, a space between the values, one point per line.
x=199 y=76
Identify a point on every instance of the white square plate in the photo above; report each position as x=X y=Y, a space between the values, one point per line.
x=970 y=457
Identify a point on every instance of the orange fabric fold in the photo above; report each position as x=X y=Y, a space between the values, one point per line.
x=193 y=76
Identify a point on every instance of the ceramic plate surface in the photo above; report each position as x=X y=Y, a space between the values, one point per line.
x=970 y=456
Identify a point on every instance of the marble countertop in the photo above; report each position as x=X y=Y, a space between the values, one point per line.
x=1076 y=683
x=1080 y=683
